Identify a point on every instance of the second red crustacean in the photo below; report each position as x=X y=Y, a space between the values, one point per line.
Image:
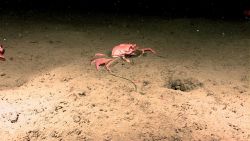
x=2 y=53
x=119 y=51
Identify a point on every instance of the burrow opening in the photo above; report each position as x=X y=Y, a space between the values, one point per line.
x=184 y=84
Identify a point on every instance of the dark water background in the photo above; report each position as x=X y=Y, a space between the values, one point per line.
x=168 y=8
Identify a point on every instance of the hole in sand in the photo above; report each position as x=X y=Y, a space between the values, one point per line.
x=184 y=84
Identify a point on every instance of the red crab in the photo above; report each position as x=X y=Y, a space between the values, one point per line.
x=119 y=51
x=246 y=13
x=1 y=53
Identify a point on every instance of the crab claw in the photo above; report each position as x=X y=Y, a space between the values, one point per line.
x=102 y=61
x=1 y=53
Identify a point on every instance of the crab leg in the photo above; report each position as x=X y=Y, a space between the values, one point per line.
x=97 y=65
x=147 y=49
x=127 y=60
x=102 y=61
x=2 y=57
x=109 y=63
x=100 y=54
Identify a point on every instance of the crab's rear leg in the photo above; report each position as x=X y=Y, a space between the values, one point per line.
x=97 y=65
x=109 y=63
x=100 y=55
x=100 y=61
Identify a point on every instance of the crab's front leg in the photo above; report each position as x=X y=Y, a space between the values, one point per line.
x=126 y=59
x=147 y=49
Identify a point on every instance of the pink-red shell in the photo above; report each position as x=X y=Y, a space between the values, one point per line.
x=123 y=49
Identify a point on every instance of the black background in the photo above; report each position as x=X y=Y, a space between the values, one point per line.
x=171 y=8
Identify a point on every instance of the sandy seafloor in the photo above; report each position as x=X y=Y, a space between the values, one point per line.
x=49 y=90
